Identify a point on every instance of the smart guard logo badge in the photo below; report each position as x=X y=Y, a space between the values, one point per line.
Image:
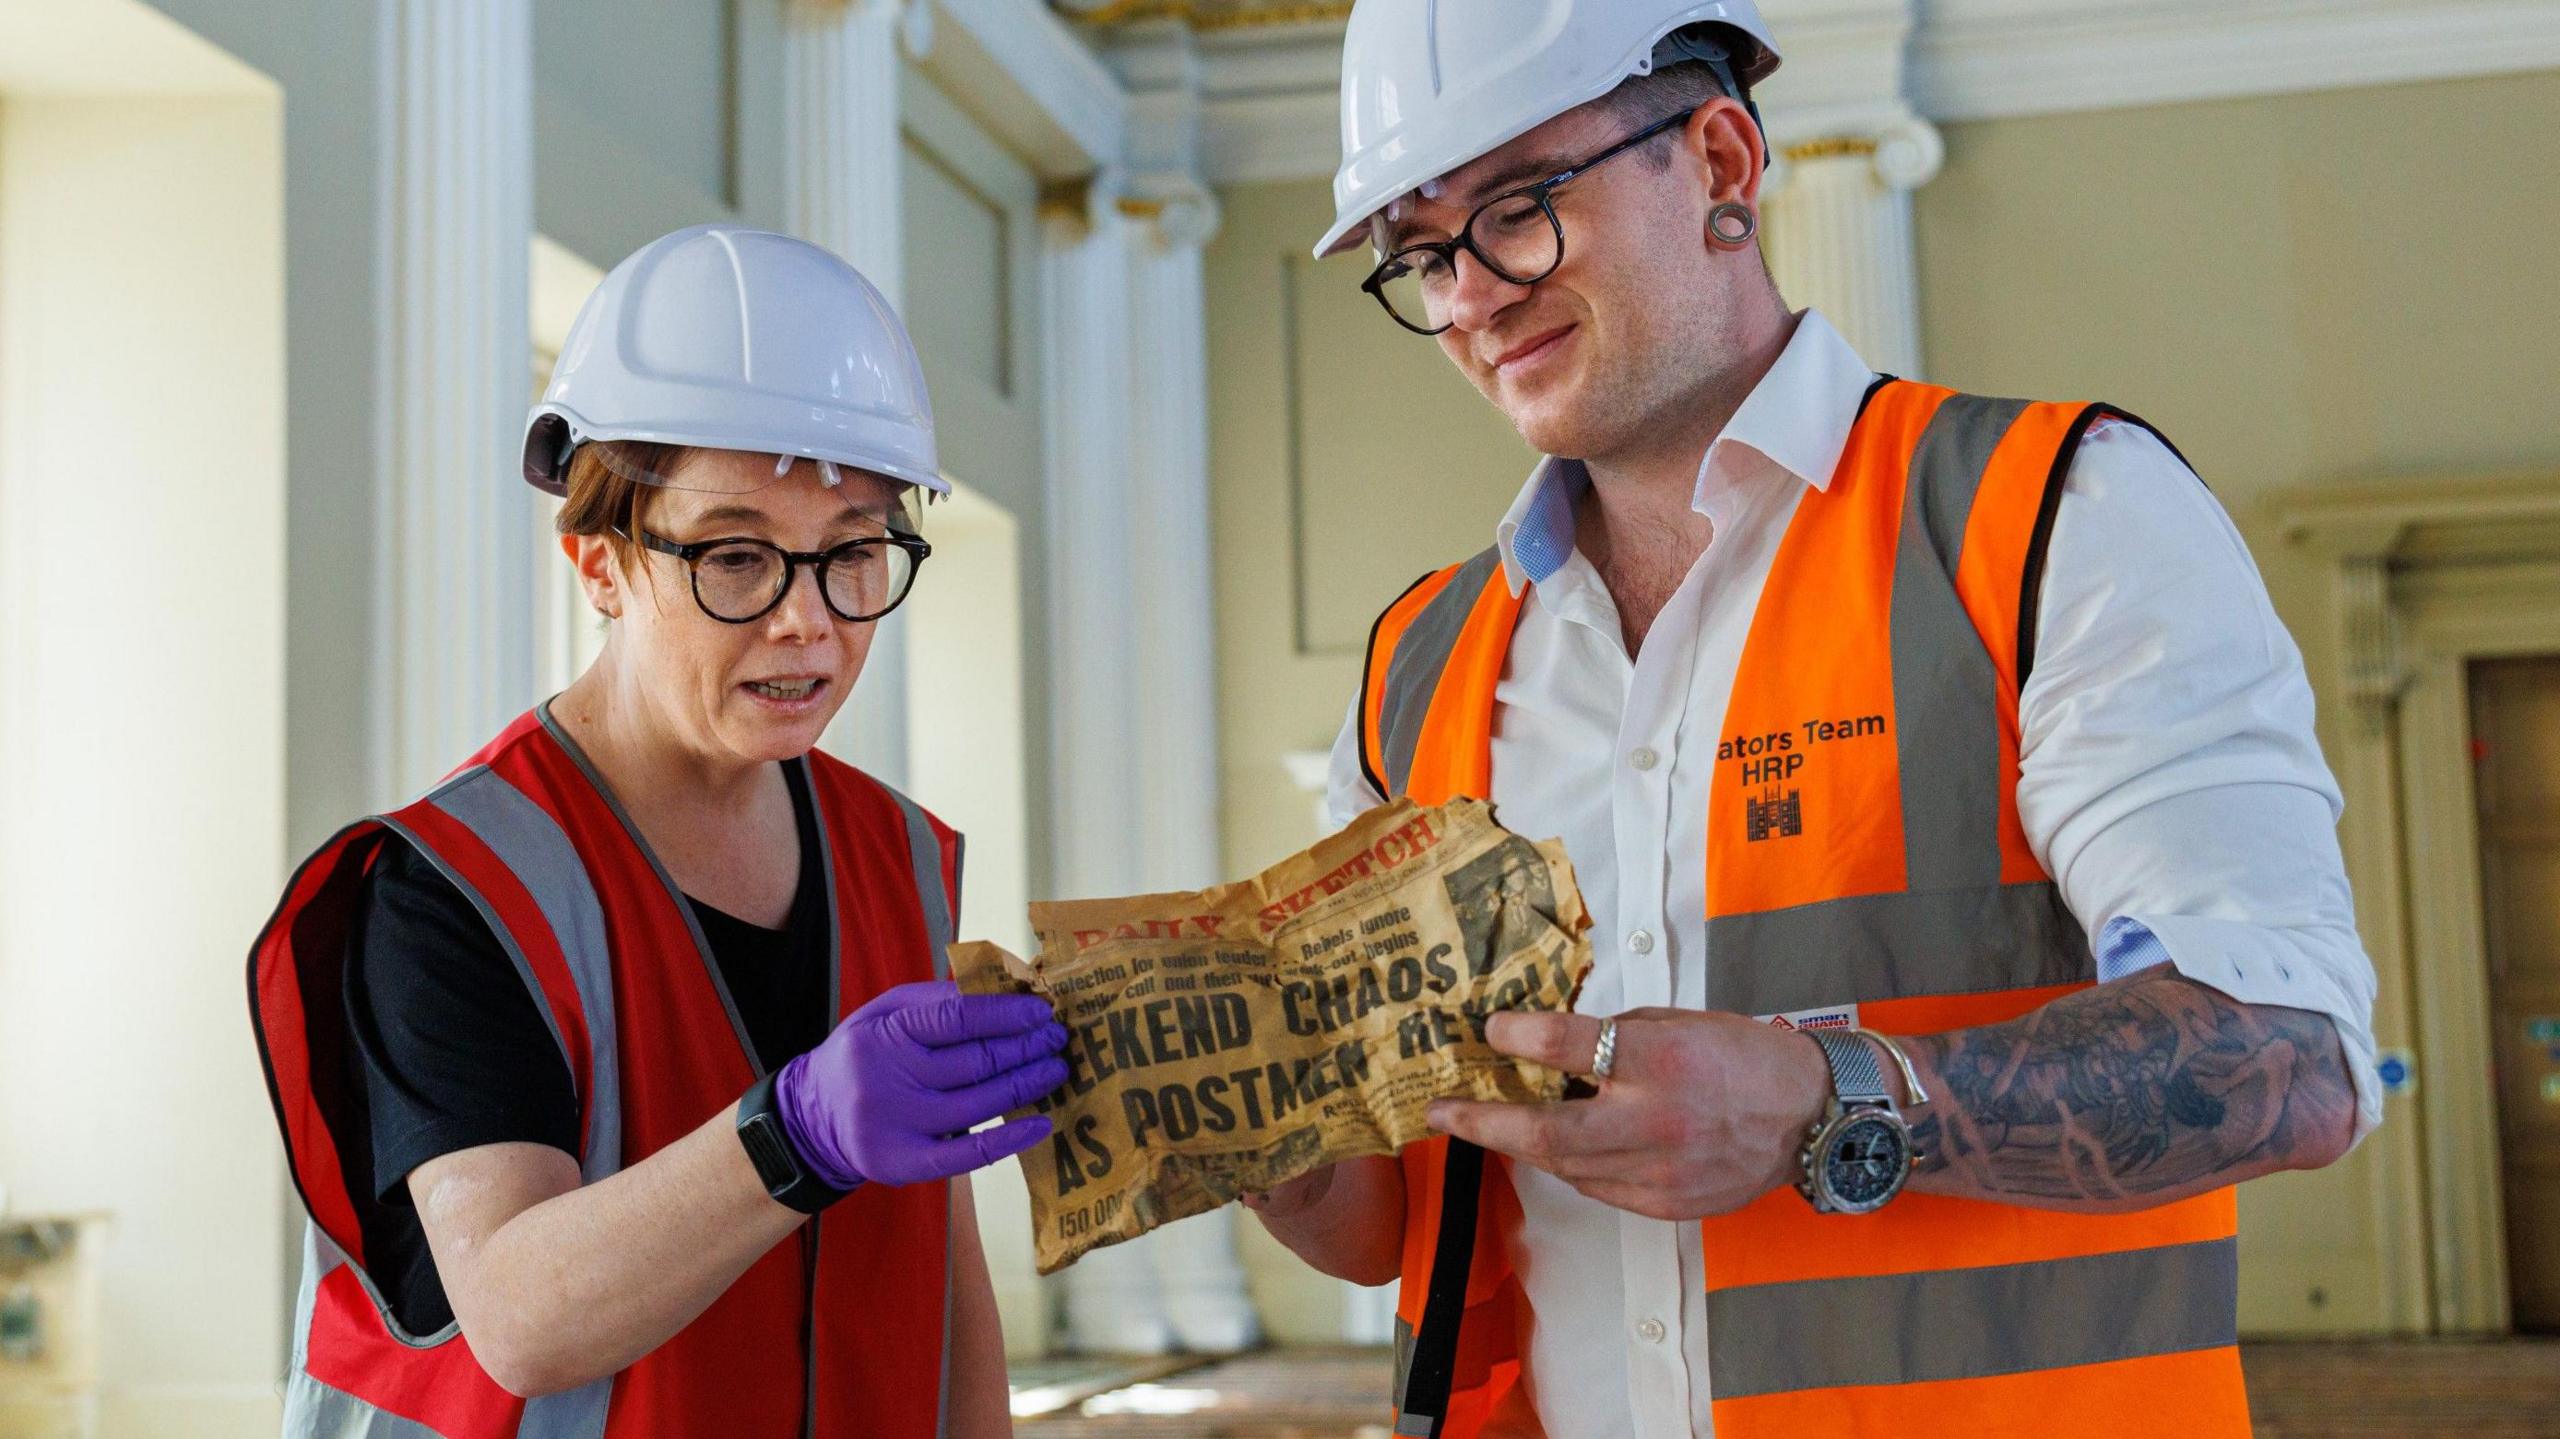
x=1773 y=813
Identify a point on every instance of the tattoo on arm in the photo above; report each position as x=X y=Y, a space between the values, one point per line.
x=2136 y=1092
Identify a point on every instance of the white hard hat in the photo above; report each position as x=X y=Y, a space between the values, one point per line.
x=738 y=339
x=1428 y=85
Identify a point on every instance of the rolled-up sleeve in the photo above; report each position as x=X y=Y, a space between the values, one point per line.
x=2169 y=778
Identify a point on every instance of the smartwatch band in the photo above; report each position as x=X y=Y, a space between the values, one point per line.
x=768 y=1144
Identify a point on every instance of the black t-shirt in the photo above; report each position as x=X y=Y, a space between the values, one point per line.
x=456 y=1052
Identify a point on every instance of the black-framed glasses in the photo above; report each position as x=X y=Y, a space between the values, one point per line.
x=1516 y=235
x=738 y=581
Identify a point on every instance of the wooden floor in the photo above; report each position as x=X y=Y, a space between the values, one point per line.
x=2363 y=1390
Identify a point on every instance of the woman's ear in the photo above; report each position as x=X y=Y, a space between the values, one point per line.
x=599 y=571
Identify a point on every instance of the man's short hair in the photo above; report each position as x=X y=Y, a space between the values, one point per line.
x=1673 y=89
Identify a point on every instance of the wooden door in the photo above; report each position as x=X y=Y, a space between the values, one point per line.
x=2516 y=719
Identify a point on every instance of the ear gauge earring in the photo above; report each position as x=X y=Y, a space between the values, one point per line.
x=1732 y=224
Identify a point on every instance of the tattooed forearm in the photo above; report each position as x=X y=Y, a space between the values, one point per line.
x=2133 y=1093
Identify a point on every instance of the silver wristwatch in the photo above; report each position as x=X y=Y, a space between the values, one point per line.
x=1858 y=1155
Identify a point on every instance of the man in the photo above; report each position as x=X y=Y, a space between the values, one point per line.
x=1865 y=709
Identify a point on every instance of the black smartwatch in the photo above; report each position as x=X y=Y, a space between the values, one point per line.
x=786 y=1177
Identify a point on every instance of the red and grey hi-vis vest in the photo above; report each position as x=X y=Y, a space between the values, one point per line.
x=1863 y=848
x=843 y=1330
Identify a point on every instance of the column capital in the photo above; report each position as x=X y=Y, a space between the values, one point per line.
x=911 y=19
x=1178 y=209
x=1905 y=153
x=1172 y=208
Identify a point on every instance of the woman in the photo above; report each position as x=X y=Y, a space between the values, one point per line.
x=565 y=1051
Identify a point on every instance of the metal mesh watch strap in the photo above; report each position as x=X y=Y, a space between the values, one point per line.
x=1856 y=1078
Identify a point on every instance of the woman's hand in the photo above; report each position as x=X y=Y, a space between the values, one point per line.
x=890 y=1096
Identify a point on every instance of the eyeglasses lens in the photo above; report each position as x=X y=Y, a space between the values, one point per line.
x=1512 y=233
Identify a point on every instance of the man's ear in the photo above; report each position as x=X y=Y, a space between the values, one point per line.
x=1723 y=138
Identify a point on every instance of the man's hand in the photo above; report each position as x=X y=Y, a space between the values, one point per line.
x=1703 y=1113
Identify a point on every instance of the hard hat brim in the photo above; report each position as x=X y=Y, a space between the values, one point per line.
x=546 y=456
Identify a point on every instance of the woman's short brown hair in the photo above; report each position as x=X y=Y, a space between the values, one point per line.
x=604 y=501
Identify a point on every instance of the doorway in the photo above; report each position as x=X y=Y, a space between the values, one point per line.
x=2515 y=707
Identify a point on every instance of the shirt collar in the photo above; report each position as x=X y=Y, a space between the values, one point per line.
x=1796 y=419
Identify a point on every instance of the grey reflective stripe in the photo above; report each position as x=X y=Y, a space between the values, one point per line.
x=1413 y=672
x=1408 y=1426
x=950 y=1269
x=924 y=852
x=1971 y=1323
x=538 y=852
x=313 y=1410
x=1948 y=464
x=1895 y=946
x=924 y=856
x=573 y=1414
x=1945 y=686
x=675 y=896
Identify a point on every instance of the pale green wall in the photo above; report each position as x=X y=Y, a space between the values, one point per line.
x=650 y=115
x=1321 y=414
x=2297 y=289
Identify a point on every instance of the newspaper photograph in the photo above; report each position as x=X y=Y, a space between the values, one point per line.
x=1229 y=1040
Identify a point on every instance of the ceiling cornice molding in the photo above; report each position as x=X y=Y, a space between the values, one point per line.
x=1985 y=59
x=1268 y=101
x=1022 y=72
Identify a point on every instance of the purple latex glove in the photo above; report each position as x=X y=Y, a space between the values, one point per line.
x=888 y=1096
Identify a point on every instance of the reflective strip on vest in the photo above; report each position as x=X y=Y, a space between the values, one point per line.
x=1973 y=1323
x=1421 y=656
x=925 y=854
x=1895 y=946
x=539 y=853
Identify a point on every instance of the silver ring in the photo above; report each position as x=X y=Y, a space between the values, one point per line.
x=1604 y=1055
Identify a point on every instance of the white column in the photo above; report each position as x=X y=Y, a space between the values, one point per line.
x=1836 y=211
x=840 y=103
x=1129 y=510
x=1198 y=1272
x=1095 y=759
x=1198 y=1275
x=453 y=649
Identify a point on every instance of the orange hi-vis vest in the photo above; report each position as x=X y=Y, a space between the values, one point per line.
x=1863 y=848
x=841 y=1331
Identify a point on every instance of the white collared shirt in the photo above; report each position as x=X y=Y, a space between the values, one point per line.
x=2169 y=781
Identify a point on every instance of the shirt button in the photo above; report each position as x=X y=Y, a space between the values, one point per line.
x=1640 y=942
x=1650 y=1331
x=1644 y=758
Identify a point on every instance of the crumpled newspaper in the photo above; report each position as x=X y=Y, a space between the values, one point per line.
x=1232 y=1039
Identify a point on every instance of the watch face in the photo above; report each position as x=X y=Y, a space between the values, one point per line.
x=1865 y=1162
